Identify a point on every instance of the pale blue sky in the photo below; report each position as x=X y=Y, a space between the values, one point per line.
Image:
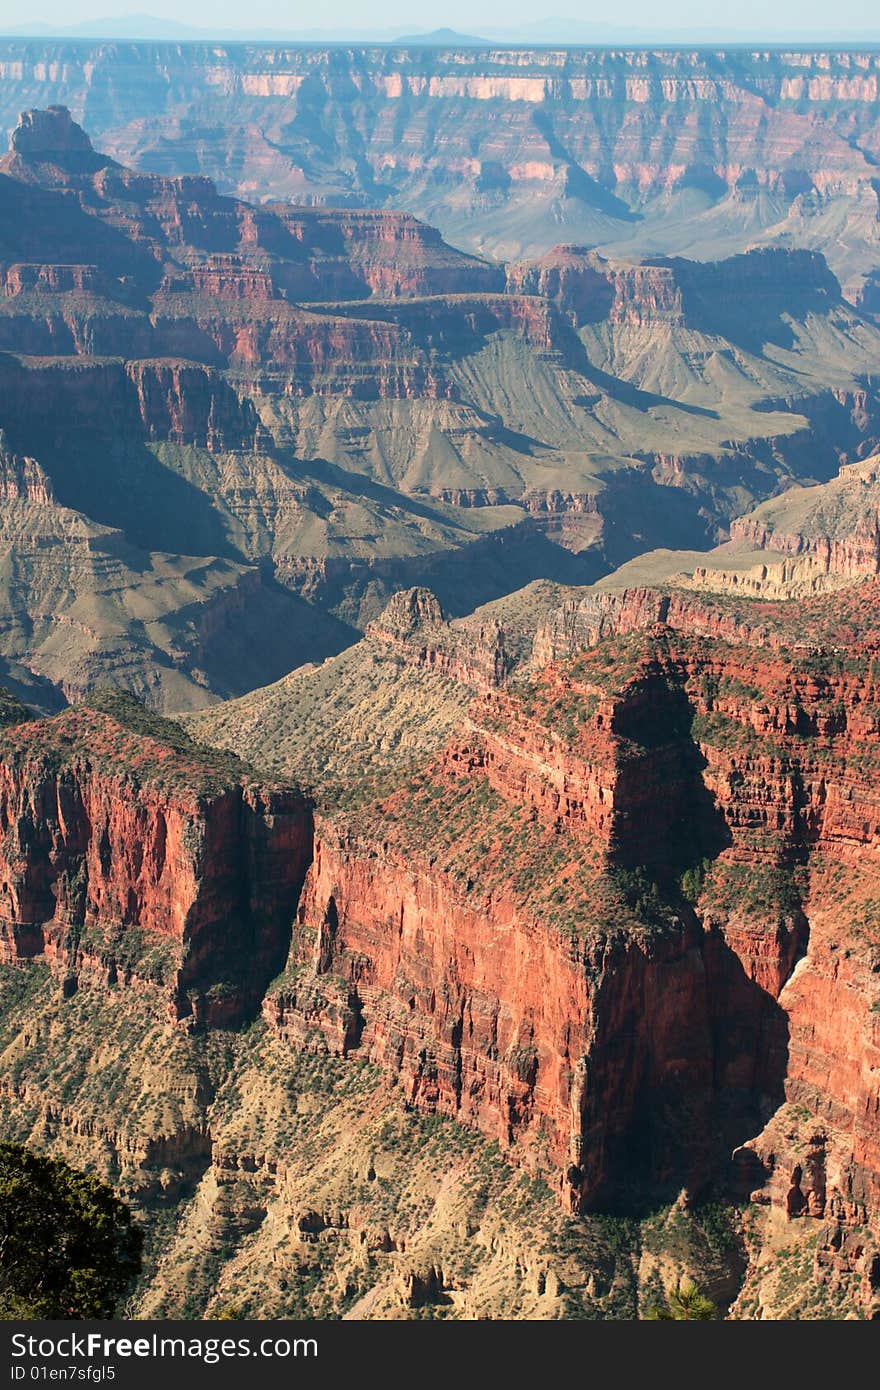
x=748 y=17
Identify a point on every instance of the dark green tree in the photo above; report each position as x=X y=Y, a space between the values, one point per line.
x=684 y=1303
x=68 y=1247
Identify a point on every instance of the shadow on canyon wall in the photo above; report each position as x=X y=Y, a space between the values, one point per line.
x=710 y=1051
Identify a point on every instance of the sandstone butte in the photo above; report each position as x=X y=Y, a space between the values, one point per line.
x=500 y=146
x=132 y=856
x=303 y=333
x=624 y=924
x=104 y=261
x=268 y=419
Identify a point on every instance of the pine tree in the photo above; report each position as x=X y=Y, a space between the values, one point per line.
x=68 y=1247
x=684 y=1303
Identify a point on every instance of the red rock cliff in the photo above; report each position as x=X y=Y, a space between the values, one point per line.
x=492 y=934
x=156 y=398
x=143 y=859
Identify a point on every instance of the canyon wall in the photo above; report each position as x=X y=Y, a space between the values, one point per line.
x=343 y=431
x=740 y=296
x=622 y=924
x=164 y=399
x=837 y=528
x=543 y=989
x=145 y=861
x=789 y=120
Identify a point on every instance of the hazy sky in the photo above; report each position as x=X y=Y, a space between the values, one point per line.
x=757 y=16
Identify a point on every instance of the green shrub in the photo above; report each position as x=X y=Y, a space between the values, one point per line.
x=684 y=1303
x=68 y=1248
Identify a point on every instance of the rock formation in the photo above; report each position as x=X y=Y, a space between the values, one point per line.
x=131 y=852
x=500 y=146
x=591 y=873
x=603 y=923
x=344 y=405
x=603 y=926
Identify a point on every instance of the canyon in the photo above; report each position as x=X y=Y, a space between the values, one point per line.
x=619 y=925
x=615 y=912
x=614 y=901
x=507 y=150
x=276 y=416
x=439 y=576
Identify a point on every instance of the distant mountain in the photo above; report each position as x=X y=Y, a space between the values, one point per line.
x=135 y=26
x=553 y=31
x=442 y=38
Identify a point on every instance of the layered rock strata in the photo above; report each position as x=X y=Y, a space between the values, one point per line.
x=131 y=854
x=598 y=928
